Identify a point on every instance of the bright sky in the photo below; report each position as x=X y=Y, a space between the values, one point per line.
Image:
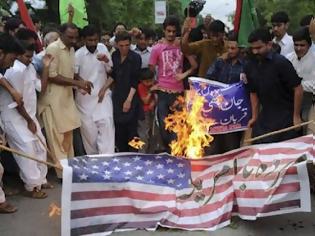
x=219 y=9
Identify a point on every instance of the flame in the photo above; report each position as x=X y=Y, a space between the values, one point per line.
x=191 y=128
x=54 y=210
x=136 y=143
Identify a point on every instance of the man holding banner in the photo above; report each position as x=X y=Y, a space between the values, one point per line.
x=275 y=87
x=227 y=70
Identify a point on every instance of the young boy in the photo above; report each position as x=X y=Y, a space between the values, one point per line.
x=149 y=101
x=20 y=123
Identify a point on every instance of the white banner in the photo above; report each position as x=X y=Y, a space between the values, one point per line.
x=160 y=12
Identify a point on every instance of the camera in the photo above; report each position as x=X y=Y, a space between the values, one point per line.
x=194 y=8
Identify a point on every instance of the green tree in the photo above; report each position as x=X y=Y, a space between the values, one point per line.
x=295 y=9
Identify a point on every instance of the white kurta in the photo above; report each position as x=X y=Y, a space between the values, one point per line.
x=286 y=44
x=97 y=129
x=305 y=69
x=25 y=81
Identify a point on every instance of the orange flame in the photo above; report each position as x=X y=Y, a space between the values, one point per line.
x=136 y=143
x=54 y=210
x=191 y=127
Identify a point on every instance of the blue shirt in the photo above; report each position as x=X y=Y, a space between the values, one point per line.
x=225 y=71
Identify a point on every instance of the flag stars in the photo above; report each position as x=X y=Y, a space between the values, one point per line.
x=83 y=177
x=76 y=167
x=95 y=167
x=168 y=161
x=158 y=157
x=107 y=172
x=150 y=172
x=138 y=167
x=148 y=162
x=170 y=171
x=139 y=177
x=94 y=172
x=116 y=160
x=171 y=181
x=159 y=166
x=160 y=176
x=127 y=164
x=106 y=177
x=181 y=175
x=180 y=165
x=137 y=158
x=105 y=163
x=117 y=168
x=128 y=172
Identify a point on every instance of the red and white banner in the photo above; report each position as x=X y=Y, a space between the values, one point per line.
x=102 y=194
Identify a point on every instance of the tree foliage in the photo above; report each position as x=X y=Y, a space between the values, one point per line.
x=130 y=12
x=295 y=9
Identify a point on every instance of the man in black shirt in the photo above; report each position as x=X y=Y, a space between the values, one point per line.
x=275 y=90
x=126 y=72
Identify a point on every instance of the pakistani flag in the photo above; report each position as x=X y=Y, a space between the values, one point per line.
x=245 y=20
x=80 y=15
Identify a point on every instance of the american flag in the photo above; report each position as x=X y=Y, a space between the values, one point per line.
x=126 y=191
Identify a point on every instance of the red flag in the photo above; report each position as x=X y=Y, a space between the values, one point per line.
x=238 y=13
x=28 y=21
x=25 y=16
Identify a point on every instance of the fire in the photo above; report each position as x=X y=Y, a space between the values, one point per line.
x=54 y=210
x=191 y=128
x=136 y=143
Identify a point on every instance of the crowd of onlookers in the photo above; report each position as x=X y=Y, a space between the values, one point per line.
x=67 y=91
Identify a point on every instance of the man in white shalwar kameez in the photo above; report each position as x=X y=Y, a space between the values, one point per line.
x=92 y=63
x=20 y=124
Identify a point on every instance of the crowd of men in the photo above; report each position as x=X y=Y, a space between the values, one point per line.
x=107 y=88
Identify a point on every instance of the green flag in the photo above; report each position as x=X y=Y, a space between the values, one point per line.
x=248 y=22
x=80 y=16
x=184 y=4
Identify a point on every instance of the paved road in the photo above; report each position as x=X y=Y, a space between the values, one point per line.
x=32 y=220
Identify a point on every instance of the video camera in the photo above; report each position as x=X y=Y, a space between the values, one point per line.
x=194 y=8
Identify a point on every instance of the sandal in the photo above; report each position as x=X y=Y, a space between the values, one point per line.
x=36 y=193
x=11 y=191
x=47 y=186
x=7 y=208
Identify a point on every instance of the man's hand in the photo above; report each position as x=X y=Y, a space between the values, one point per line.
x=70 y=10
x=47 y=59
x=87 y=86
x=297 y=120
x=251 y=122
x=186 y=26
x=17 y=97
x=102 y=57
x=31 y=126
x=155 y=87
x=126 y=106
x=135 y=32
x=101 y=94
x=180 y=76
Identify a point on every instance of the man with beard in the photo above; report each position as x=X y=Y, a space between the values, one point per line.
x=275 y=90
x=92 y=63
x=227 y=70
x=56 y=107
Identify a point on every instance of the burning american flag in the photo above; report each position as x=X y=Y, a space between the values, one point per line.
x=126 y=191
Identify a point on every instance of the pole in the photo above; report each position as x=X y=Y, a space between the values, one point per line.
x=278 y=131
x=24 y=155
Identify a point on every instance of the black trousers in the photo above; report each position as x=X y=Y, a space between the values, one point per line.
x=124 y=132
